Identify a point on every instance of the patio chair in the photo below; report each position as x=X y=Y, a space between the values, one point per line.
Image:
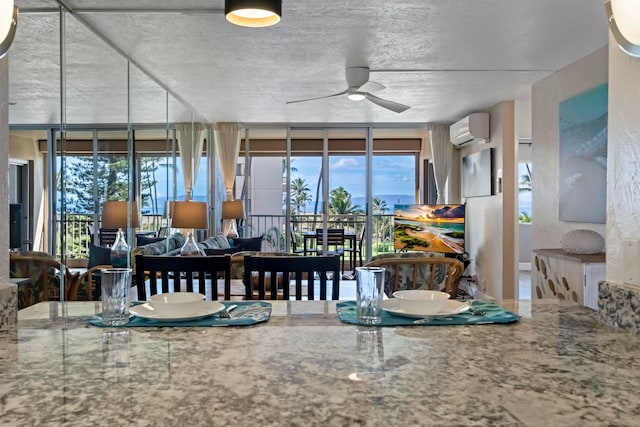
x=260 y=270
x=419 y=271
x=163 y=274
x=334 y=243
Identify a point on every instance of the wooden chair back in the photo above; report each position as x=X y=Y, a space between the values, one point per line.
x=335 y=237
x=408 y=273
x=294 y=270
x=163 y=274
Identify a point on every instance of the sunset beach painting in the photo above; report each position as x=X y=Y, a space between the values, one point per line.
x=432 y=228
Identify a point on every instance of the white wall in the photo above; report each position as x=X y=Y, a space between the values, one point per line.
x=623 y=165
x=4 y=167
x=27 y=149
x=491 y=220
x=585 y=74
x=266 y=186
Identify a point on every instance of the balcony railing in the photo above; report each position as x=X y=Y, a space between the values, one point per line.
x=79 y=230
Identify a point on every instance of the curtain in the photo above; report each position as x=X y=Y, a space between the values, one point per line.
x=442 y=153
x=228 y=144
x=190 y=143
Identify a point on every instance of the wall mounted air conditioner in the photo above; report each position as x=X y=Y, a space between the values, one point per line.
x=474 y=127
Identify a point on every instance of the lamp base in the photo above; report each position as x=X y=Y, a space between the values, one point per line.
x=120 y=252
x=190 y=247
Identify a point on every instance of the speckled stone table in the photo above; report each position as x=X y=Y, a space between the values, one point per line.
x=558 y=366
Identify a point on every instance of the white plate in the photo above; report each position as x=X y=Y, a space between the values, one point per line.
x=451 y=307
x=196 y=311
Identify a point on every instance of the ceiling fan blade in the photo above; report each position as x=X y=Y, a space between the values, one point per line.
x=371 y=87
x=319 y=97
x=389 y=105
x=356 y=76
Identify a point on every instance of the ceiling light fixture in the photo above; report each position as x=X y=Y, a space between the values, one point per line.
x=623 y=18
x=253 y=13
x=356 y=96
x=8 y=24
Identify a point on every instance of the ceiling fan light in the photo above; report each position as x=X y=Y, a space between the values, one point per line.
x=356 y=96
x=623 y=18
x=8 y=24
x=253 y=13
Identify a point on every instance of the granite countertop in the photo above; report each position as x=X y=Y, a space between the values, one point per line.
x=558 y=366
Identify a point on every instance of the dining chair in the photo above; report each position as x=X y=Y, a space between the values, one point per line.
x=334 y=243
x=294 y=243
x=355 y=249
x=298 y=274
x=419 y=271
x=164 y=274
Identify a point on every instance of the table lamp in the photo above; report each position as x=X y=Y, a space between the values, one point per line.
x=231 y=211
x=192 y=215
x=120 y=214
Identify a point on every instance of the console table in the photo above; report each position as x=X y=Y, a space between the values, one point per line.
x=574 y=277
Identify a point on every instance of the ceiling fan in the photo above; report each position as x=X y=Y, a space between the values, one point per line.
x=360 y=87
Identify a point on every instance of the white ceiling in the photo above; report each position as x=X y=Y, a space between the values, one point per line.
x=445 y=58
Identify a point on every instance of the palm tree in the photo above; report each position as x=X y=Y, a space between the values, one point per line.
x=300 y=194
x=525 y=181
x=340 y=203
x=379 y=208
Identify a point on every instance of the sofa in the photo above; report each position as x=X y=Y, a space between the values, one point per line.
x=218 y=244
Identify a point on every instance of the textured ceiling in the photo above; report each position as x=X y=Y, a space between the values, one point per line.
x=443 y=58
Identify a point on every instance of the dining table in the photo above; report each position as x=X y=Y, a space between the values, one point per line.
x=557 y=365
x=309 y=238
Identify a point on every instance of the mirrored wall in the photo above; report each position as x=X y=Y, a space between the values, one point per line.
x=102 y=131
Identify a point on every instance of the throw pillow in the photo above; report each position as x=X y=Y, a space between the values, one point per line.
x=225 y=251
x=250 y=244
x=584 y=242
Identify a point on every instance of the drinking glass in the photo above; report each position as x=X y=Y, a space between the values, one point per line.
x=116 y=283
x=369 y=291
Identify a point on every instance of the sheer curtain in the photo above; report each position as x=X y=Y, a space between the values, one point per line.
x=442 y=152
x=190 y=143
x=228 y=144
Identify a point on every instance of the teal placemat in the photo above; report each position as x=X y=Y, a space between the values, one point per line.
x=247 y=313
x=486 y=312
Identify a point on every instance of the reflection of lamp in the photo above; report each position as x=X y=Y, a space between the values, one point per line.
x=120 y=214
x=253 y=13
x=8 y=24
x=624 y=16
x=232 y=210
x=189 y=214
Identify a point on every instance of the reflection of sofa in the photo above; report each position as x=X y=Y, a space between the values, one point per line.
x=217 y=244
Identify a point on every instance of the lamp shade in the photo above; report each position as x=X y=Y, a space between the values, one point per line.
x=624 y=16
x=8 y=24
x=253 y=13
x=120 y=214
x=232 y=209
x=189 y=214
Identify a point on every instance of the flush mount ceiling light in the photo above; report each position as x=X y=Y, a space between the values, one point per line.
x=253 y=13
x=624 y=16
x=8 y=23
x=356 y=96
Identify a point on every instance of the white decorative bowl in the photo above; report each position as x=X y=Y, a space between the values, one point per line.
x=176 y=303
x=421 y=301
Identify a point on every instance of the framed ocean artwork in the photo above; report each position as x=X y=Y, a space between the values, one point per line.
x=583 y=157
